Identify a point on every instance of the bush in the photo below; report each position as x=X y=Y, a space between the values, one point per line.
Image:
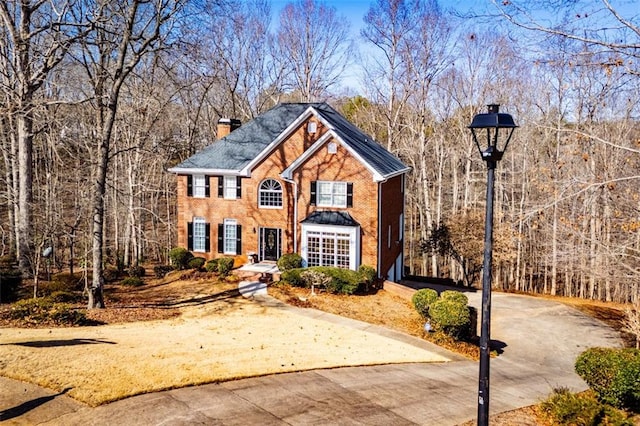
x=293 y=277
x=451 y=317
x=132 y=282
x=180 y=257
x=10 y=280
x=613 y=374
x=212 y=265
x=44 y=310
x=343 y=281
x=161 y=270
x=196 y=262
x=225 y=265
x=368 y=276
x=422 y=299
x=566 y=408
x=136 y=271
x=110 y=274
x=455 y=296
x=66 y=282
x=289 y=261
x=63 y=297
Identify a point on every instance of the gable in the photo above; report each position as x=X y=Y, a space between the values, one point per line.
x=241 y=150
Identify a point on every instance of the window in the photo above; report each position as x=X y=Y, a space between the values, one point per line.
x=329 y=249
x=198 y=235
x=229 y=187
x=229 y=237
x=270 y=194
x=198 y=186
x=331 y=194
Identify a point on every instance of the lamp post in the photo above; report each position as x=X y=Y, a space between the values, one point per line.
x=496 y=125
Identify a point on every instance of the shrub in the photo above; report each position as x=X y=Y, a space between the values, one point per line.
x=422 y=299
x=613 y=374
x=196 y=262
x=293 y=277
x=289 y=261
x=132 y=282
x=44 y=310
x=314 y=278
x=451 y=317
x=110 y=274
x=455 y=296
x=368 y=276
x=212 y=265
x=10 y=280
x=566 y=408
x=343 y=281
x=161 y=270
x=63 y=297
x=180 y=257
x=66 y=282
x=225 y=265
x=136 y=271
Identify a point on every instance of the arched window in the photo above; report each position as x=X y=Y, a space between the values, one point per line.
x=270 y=194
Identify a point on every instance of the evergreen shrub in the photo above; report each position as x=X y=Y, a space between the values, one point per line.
x=566 y=408
x=136 y=271
x=196 y=262
x=159 y=271
x=289 y=261
x=179 y=257
x=422 y=299
x=133 y=282
x=451 y=317
x=211 y=265
x=613 y=374
x=455 y=296
x=225 y=265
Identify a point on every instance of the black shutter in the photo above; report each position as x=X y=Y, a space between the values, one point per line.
x=239 y=239
x=220 y=238
x=220 y=186
x=207 y=237
x=349 y=195
x=207 y=191
x=238 y=187
x=312 y=197
x=190 y=236
x=189 y=185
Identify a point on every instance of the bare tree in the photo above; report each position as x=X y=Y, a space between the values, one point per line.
x=36 y=36
x=124 y=32
x=315 y=46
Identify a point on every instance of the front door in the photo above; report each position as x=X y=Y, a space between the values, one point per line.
x=270 y=244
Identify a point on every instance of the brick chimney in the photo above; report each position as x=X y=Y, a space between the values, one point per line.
x=226 y=126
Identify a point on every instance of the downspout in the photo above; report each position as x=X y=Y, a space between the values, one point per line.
x=295 y=213
x=379 y=228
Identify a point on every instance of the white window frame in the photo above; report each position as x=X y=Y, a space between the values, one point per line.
x=337 y=233
x=199 y=234
x=331 y=194
x=230 y=187
x=273 y=196
x=230 y=237
x=199 y=183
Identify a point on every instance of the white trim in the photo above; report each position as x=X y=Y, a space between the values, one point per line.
x=200 y=221
x=354 y=241
x=231 y=223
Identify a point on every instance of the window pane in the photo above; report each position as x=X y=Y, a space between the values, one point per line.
x=230 y=236
x=199 y=228
x=230 y=187
x=198 y=186
x=328 y=249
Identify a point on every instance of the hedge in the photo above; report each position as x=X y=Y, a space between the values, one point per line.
x=343 y=281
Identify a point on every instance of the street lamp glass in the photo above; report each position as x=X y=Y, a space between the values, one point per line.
x=495 y=123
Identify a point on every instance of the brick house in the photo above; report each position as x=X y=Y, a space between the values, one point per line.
x=298 y=178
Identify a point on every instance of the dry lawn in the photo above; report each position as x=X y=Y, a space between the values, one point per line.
x=212 y=334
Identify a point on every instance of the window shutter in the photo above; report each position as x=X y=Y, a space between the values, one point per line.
x=207 y=191
x=349 y=195
x=190 y=236
x=239 y=239
x=220 y=238
x=238 y=187
x=207 y=237
x=189 y=185
x=220 y=186
x=312 y=197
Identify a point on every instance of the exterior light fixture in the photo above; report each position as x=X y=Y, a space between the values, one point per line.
x=498 y=128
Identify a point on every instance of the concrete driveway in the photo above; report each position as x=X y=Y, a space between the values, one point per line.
x=541 y=340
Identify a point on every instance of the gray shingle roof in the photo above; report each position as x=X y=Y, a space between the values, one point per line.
x=236 y=151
